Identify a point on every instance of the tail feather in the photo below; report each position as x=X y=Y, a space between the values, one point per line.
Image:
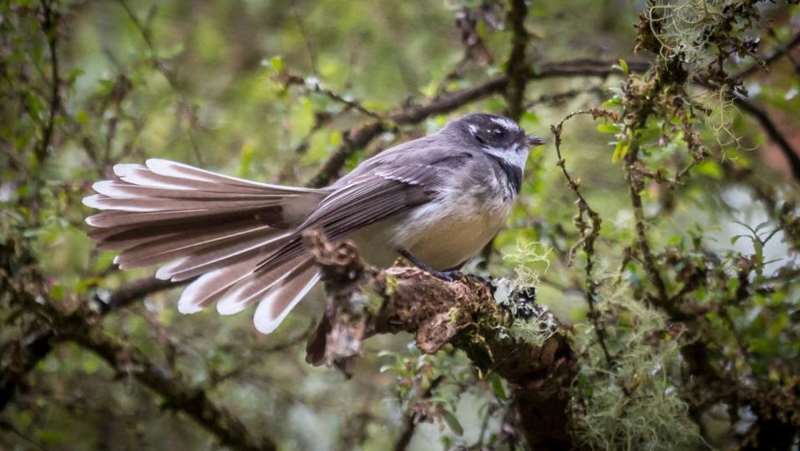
x=176 y=217
x=193 y=222
x=126 y=237
x=183 y=171
x=282 y=298
x=215 y=257
x=157 y=204
x=255 y=286
x=138 y=174
x=168 y=247
x=211 y=286
x=198 y=254
x=120 y=189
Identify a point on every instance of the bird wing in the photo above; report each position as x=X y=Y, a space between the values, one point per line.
x=366 y=199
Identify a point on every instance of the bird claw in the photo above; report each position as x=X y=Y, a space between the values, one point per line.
x=447 y=276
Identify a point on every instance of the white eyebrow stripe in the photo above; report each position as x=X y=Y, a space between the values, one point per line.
x=503 y=122
x=472 y=128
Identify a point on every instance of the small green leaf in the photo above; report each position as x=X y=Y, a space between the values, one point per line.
x=620 y=150
x=275 y=64
x=497 y=387
x=452 y=422
x=57 y=292
x=709 y=169
x=608 y=128
x=623 y=65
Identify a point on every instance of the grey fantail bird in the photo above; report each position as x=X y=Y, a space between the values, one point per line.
x=436 y=200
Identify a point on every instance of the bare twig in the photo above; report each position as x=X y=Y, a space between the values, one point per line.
x=39 y=340
x=791 y=154
x=314 y=86
x=49 y=22
x=589 y=231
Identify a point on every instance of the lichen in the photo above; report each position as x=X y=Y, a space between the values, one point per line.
x=633 y=403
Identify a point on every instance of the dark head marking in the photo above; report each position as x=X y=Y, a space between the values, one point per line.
x=491 y=131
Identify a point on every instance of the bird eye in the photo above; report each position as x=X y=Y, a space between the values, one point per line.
x=498 y=132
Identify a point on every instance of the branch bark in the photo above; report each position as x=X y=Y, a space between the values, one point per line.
x=516 y=70
x=364 y=301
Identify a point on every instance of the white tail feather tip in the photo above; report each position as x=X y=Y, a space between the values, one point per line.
x=263 y=319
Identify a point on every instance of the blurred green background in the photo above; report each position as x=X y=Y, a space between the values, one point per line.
x=203 y=82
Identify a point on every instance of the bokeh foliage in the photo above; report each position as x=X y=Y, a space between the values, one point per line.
x=678 y=275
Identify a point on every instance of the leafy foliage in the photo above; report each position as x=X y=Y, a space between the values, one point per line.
x=663 y=230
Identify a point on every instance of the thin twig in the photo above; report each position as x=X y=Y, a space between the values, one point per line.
x=411 y=419
x=49 y=26
x=168 y=75
x=589 y=231
x=791 y=154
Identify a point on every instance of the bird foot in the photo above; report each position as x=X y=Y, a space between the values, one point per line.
x=448 y=276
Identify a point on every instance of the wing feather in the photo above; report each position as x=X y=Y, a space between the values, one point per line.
x=366 y=200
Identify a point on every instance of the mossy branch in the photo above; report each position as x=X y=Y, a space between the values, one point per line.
x=364 y=301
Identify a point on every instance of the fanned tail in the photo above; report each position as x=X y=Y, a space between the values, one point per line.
x=191 y=222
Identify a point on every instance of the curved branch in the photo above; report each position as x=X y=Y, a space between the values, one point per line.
x=175 y=390
x=49 y=23
x=82 y=327
x=760 y=115
x=360 y=137
x=775 y=56
x=38 y=341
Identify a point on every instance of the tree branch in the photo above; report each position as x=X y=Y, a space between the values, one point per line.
x=359 y=137
x=38 y=340
x=24 y=287
x=49 y=24
x=760 y=115
x=516 y=67
x=363 y=302
x=176 y=391
x=775 y=56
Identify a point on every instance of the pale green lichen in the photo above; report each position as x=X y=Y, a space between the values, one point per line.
x=537 y=330
x=529 y=259
x=632 y=404
x=532 y=322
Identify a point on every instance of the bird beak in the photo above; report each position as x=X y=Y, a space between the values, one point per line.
x=533 y=140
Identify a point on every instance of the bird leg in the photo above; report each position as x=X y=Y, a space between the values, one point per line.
x=447 y=275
